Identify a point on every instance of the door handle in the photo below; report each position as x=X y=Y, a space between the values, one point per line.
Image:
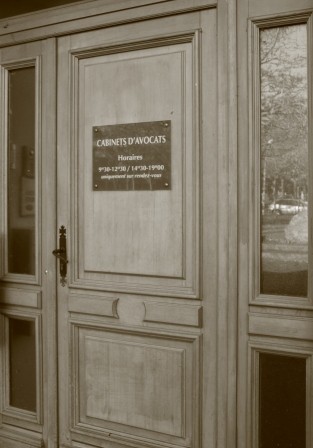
x=61 y=254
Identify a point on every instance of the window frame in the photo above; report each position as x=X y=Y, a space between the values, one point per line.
x=255 y=28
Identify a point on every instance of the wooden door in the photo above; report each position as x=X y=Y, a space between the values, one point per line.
x=136 y=179
x=275 y=224
x=28 y=271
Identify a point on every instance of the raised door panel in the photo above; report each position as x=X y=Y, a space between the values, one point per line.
x=135 y=130
x=135 y=384
x=132 y=222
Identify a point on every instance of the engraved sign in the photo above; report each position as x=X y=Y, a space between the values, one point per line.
x=133 y=156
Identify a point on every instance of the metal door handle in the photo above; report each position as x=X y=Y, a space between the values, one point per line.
x=61 y=254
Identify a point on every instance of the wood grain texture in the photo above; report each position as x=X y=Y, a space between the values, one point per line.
x=276 y=323
x=171 y=75
x=91 y=15
x=267 y=8
x=127 y=380
x=227 y=213
x=178 y=314
x=138 y=241
x=137 y=384
x=96 y=305
x=20 y=297
x=34 y=297
x=162 y=60
x=133 y=232
x=19 y=439
x=117 y=389
x=282 y=326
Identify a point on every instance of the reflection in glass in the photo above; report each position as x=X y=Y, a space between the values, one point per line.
x=21 y=171
x=282 y=401
x=22 y=361
x=284 y=161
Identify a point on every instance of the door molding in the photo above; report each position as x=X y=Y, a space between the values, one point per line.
x=85 y=16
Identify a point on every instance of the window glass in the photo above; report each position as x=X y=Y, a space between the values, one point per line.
x=282 y=401
x=22 y=356
x=284 y=161
x=21 y=171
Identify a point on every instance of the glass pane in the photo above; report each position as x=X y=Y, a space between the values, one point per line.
x=21 y=172
x=22 y=356
x=282 y=402
x=284 y=161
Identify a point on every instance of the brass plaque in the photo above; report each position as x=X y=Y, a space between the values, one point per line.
x=133 y=156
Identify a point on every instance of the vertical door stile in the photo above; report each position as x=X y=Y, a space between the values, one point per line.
x=48 y=213
x=64 y=186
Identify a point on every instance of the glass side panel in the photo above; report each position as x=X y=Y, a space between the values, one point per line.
x=284 y=161
x=21 y=172
x=22 y=361
x=282 y=401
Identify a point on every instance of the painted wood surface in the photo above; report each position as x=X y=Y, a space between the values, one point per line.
x=267 y=323
x=136 y=380
x=143 y=307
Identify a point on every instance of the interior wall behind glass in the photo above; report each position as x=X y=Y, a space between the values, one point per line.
x=282 y=401
x=21 y=171
x=22 y=356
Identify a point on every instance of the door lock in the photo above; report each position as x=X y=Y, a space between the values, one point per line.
x=61 y=254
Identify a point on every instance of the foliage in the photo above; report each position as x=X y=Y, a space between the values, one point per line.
x=283 y=62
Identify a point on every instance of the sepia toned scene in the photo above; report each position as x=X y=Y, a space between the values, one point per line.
x=156 y=224
x=284 y=161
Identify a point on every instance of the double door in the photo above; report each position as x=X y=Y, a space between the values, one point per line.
x=103 y=177
x=156 y=248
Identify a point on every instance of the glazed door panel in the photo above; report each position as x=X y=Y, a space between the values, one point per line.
x=28 y=218
x=130 y=160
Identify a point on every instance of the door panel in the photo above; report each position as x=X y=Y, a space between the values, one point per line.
x=130 y=311
x=157 y=239
x=275 y=255
x=27 y=293
x=119 y=375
